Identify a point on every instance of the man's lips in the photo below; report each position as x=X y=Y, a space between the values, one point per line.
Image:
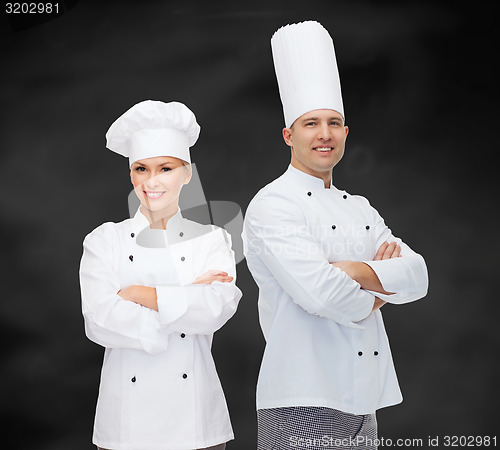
x=323 y=149
x=153 y=194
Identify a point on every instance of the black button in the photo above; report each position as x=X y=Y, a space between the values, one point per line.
x=375 y=353
x=309 y=193
x=184 y=376
x=181 y=234
x=334 y=226
x=183 y=335
x=131 y=257
x=368 y=227
x=360 y=353
x=344 y=196
x=133 y=380
x=182 y=258
x=132 y=234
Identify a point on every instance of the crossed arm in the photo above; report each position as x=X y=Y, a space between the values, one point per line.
x=365 y=275
x=359 y=271
x=146 y=296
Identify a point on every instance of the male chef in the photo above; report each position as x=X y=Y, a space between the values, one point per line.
x=324 y=262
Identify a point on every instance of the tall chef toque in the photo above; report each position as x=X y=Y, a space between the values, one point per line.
x=306 y=69
x=153 y=128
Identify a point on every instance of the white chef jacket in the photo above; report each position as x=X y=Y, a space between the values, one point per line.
x=324 y=346
x=159 y=386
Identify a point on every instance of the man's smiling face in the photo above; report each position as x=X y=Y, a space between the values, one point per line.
x=317 y=140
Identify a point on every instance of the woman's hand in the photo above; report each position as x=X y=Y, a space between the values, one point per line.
x=213 y=275
x=144 y=295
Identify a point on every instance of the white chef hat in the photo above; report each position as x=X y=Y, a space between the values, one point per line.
x=306 y=69
x=153 y=128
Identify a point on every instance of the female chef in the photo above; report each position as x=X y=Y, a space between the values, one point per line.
x=154 y=290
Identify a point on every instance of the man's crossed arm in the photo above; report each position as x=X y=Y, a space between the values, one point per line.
x=366 y=276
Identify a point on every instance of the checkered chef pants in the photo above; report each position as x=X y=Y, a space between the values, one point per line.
x=315 y=428
x=215 y=447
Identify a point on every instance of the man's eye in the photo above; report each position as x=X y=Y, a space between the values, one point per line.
x=310 y=124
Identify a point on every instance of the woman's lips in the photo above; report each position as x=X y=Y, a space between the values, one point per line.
x=153 y=194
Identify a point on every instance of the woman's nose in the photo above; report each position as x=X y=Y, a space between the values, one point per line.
x=152 y=181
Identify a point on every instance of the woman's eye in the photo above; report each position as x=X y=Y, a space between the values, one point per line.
x=166 y=169
x=140 y=169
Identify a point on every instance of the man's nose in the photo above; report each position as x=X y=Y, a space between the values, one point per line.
x=324 y=132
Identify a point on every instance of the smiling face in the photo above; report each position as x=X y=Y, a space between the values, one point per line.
x=158 y=182
x=317 y=140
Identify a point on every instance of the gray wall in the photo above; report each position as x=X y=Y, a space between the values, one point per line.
x=418 y=91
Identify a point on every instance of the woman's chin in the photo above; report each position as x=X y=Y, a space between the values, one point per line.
x=155 y=206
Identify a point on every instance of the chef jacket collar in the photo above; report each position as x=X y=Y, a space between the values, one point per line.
x=140 y=222
x=307 y=181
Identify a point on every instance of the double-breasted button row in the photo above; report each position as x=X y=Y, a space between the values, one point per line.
x=360 y=353
x=133 y=379
x=133 y=234
x=131 y=257
x=335 y=226
x=309 y=193
x=184 y=375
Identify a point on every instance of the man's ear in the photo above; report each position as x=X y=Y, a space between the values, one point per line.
x=287 y=136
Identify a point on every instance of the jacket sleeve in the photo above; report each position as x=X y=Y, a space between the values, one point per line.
x=202 y=308
x=111 y=321
x=406 y=276
x=275 y=235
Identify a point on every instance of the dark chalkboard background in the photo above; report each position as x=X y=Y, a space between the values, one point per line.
x=421 y=99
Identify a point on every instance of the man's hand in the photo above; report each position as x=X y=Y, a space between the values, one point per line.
x=378 y=304
x=388 y=251
x=144 y=295
x=364 y=274
x=213 y=275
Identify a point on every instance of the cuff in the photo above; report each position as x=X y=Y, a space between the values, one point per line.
x=172 y=303
x=363 y=312
x=391 y=273
x=153 y=338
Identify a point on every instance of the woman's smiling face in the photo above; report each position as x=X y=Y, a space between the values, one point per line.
x=158 y=182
